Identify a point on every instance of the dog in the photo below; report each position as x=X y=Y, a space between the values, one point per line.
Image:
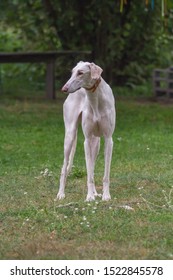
x=90 y=100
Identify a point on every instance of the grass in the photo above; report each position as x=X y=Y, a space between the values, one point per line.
x=135 y=224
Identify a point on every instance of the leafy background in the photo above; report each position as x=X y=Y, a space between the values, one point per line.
x=126 y=45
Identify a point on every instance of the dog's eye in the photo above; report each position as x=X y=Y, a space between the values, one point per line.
x=79 y=73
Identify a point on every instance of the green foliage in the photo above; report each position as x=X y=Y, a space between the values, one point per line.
x=27 y=20
x=127 y=45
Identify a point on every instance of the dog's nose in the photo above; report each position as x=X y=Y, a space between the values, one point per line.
x=64 y=88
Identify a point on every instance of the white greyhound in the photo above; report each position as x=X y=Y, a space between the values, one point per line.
x=91 y=101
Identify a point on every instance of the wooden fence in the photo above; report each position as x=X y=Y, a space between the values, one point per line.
x=49 y=58
x=163 y=82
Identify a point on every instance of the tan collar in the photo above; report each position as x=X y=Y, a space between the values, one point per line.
x=93 y=88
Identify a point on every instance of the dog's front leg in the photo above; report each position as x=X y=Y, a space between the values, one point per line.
x=69 y=142
x=108 y=156
x=90 y=169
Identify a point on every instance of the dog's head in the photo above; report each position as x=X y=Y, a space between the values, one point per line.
x=84 y=74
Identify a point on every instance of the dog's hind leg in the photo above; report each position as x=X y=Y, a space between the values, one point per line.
x=95 y=147
x=72 y=153
x=91 y=146
x=108 y=156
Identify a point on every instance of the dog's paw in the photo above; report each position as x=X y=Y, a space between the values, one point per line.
x=106 y=197
x=60 y=196
x=90 y=198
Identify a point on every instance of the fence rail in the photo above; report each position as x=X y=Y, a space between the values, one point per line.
x=49 y=58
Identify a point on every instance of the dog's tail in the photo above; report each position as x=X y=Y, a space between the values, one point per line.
x=72 y=153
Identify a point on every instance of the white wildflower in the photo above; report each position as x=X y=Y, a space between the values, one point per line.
x=50 y=174
x=46 y=173
x=127 y=207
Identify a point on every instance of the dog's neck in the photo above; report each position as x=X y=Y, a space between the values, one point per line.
x=94 y=100
x=94 y=86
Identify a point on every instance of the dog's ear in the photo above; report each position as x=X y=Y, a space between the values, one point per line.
x=95 y=71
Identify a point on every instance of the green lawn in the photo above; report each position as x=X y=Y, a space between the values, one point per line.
x=135 y=224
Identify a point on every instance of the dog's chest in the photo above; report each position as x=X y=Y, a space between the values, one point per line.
x=95 y=123
x=97 y=116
